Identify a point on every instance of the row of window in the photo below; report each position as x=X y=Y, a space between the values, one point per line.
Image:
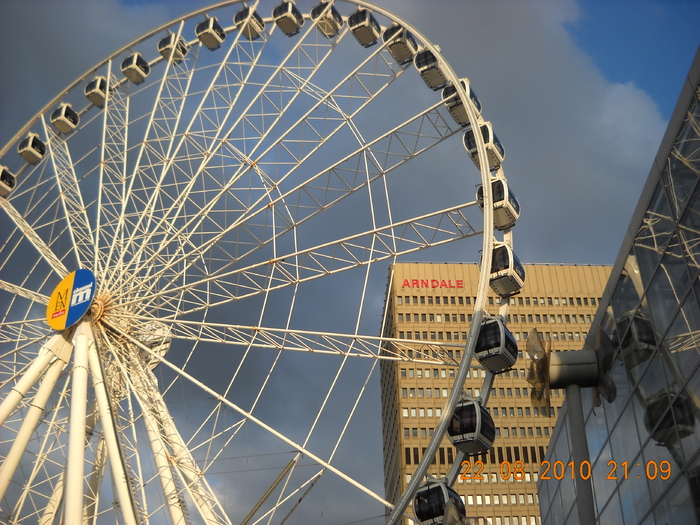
x=515 y=318
x=554 y=336
x=445 y=456
x=424 y=432
x=486 y=499
x=428 y=412
x=455 y=336
x=521 y=301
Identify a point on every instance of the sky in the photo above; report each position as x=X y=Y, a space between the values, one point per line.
x=580 y=94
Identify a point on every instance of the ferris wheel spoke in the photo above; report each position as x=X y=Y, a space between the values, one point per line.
x=74 y=208
x=30 y=234
x=111 y=202
x=351 y=345
x=24 y=292
x=359 y=250
x=195 y=382
x=321 y=191
x=244 y=134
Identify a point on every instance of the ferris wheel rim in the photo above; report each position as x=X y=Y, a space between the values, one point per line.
x=488 y=222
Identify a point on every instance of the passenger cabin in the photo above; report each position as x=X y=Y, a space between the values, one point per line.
x=471 y=428
x=455 y=105
x=435 y=503
x=288 y=18
x=667 y=421
x=507 y=276
x=364 y=27
x=400 y=44
x=173 y=48
x=506 y=208
x=210 y=33
x=430 y=69
x=494 y=149
x=7 y=181
x=327 y=18
x=638 y=342
x=96 y=91
x=249 y=23
x=32 y=148
x=65 y=119
x=136 y=68
x=496 y=348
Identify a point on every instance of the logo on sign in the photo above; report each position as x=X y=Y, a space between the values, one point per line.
x=78 y=288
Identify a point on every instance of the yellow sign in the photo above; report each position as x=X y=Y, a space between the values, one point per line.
x=70 y=299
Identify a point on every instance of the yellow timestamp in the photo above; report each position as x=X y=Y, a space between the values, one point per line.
x=558 y=470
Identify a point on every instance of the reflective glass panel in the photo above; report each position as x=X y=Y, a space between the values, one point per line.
x=668 y=286
x=654 y=232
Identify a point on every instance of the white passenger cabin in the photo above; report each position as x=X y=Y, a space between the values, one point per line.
x=210 y=33
x=364 y=27
x=136 y=68
x=7 y=181
x=288 y=18
x=64 y=118
x=507 y=275
x=400 y=44
x=431 y=69
x=173 y=48
x=494 y=149
x=455 y=105
x=496 y=348
x=249 y=23
x=96 y=91
x=32 y=148
x=328 y=20
x=506 y=208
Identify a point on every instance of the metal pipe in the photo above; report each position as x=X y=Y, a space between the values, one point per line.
x=73 y=495
x=579 y=449
x=31 y=420
x=116 y=461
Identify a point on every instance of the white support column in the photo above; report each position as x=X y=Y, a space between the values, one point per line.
x=51 y=509
x=56 y=347
x=160 y=455
x=116 y=462
x=31 y=420
x=73 y=495
x=98 y=470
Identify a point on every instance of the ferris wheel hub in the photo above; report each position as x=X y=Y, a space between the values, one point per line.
x=98 y=307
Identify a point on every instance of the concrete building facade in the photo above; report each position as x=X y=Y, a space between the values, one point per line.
x=430 y=306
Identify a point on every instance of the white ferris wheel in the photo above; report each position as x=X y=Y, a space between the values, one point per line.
x=194 y=252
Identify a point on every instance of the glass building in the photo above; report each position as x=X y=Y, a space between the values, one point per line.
x=644 y=447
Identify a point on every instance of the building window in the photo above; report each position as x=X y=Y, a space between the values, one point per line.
x=425 y=335
x=546 y=431
x=432 y=318
x=438 y=411
x=529 y=431
x=420 y=392
x=430 y=410
x=555 y=336
x=413 y=412
x=506 y=432
x=438 y=318
x=517 y=392
x=421 y=412
x=405 y=412
x=437 y=392
x=512 y=411
x=510 y=392
x=415 y=299
x=571 y=336
x=504 y=412
x=419 y=372
x=563 y=301
x=415 y=432
x=403 y=372
x=399 y=300
x=491 y=301
x=538 y=431
x=408 y=455
x=461 y=300
x=522 y=431
x=404 y=392
x=538 y=319
x=401 y=318
x=527 y=301
x=410 y=372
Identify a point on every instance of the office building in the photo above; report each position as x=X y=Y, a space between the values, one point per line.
x=432 y=304
x=644 y=447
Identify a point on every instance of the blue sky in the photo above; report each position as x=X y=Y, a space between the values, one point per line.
x=649 y=43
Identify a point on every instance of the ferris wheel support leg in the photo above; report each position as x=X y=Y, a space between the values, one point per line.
x=56 y=347
x=51 y=509
x=31 y=420
x=98 y=471
x=73 y=496
x=116 y=462
x=151 y=402
x=160 y=455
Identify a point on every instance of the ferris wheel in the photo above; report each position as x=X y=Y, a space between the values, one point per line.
x=193 y=262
